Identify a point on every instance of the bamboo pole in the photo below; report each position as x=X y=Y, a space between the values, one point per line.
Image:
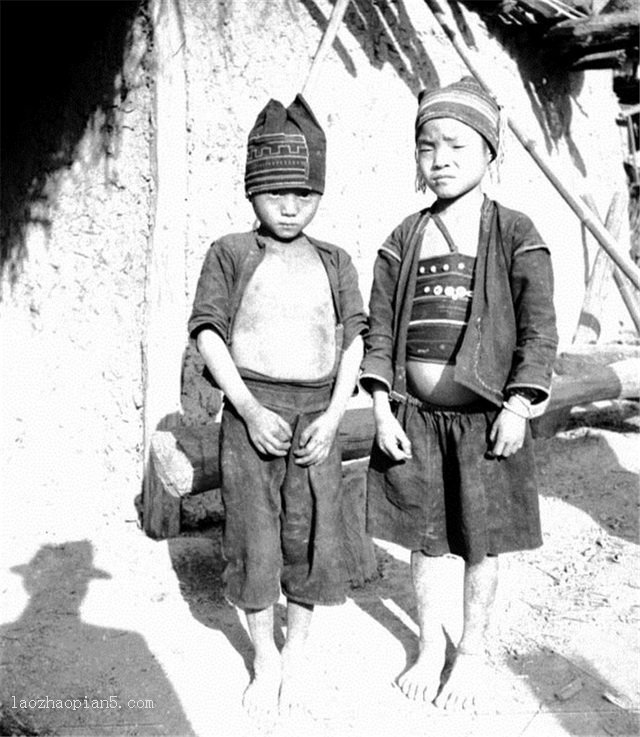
x=588 y=329
x=337 y=14
x=589 y=323
x=587 y=218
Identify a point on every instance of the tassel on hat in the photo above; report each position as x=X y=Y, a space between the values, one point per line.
x=286 y=150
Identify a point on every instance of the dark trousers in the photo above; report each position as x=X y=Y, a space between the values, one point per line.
x=284 y=527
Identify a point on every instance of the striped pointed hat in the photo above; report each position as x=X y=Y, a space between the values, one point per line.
x=286 y=150
x=467 y=102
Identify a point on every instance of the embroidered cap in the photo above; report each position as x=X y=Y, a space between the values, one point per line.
x=286 y=150
x=467 y=102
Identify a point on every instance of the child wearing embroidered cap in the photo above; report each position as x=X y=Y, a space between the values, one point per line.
x=278 y=318
x=458 y=356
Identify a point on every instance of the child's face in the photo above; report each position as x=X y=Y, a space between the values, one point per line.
x=285 y=213
x=452 y=157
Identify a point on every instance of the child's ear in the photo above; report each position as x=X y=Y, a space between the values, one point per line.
x=488 y=152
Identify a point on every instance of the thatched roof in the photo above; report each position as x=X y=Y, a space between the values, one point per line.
x=579 y=36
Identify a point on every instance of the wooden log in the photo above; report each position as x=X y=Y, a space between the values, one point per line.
x=618 y=380
x=356 y=433
x=552 y=10
x=602 y=60
x=613 y=30
x=192 y=455
x=160 y=503
x=184 y=493
x=199 y=510
x=183 y=463
x=361 y=560
x=188 y=456
x=581 y=359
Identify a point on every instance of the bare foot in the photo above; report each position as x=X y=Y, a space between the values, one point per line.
x=294 y=689
x=467 y=687
x=260 y=699
x=422 y=681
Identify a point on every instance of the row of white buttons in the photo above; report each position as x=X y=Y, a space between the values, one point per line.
x=453 y=292
x=434 y=269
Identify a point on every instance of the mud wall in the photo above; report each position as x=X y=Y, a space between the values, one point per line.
x=77 y=198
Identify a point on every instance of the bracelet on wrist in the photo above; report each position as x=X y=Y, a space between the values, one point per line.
x=522 y=400
x=515 y=411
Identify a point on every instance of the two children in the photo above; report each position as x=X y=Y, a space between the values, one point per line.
x=278 y=319
x=459 y=354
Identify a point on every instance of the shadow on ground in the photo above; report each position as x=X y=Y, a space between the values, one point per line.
x=61 y=674
x=198 y=565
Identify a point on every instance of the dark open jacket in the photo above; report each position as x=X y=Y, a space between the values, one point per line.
x=229 y=265
x=511 y=338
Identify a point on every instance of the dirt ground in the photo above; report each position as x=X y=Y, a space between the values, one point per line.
x=109 y=633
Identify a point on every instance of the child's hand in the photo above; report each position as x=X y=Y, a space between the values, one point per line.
x=507 y=433
x=392 y=439
x=268 y=431
x=316 y=440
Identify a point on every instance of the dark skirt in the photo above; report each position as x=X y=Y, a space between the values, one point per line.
x=452 y=496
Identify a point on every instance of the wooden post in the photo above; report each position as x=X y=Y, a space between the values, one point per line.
x=165 y=293
x=588 y=330
x=327 y=39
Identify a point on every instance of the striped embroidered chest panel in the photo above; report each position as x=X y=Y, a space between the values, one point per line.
x=441 y=308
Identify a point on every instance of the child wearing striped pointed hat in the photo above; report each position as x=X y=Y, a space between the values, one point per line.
x=278 y=318
x=458 y=357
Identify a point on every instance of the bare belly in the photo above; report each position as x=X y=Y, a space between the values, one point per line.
x=434 y=383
